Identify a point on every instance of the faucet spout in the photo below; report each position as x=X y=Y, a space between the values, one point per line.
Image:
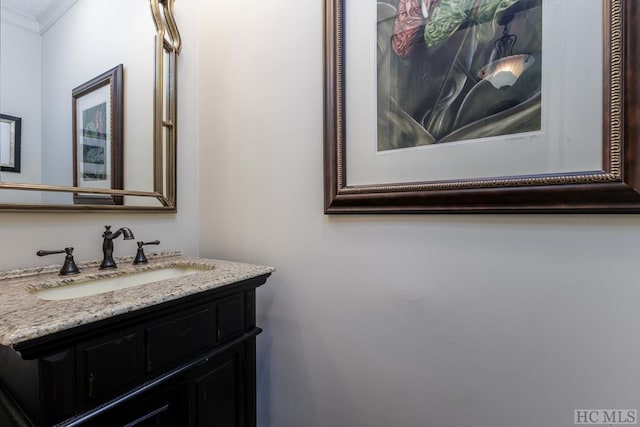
x=126 y=234
x=107 y=245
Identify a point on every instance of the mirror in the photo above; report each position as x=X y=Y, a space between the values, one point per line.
x=96 y=104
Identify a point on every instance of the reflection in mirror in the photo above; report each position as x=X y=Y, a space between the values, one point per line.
x=97 y=114
x=59 y=200
x=51 y=47
x=10 y=136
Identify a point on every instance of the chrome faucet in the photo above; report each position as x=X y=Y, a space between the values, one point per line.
x=107 y=245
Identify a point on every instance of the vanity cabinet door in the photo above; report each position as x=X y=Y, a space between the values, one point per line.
x=107 y=366
x=220 y=391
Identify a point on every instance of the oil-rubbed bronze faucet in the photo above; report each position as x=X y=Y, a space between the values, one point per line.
x=69 y=266
x=107 y=245
x=140 y=256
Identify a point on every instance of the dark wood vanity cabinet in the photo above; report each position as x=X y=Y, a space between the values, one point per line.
x=187 y=362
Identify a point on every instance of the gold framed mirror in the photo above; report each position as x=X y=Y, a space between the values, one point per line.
x=97 y=104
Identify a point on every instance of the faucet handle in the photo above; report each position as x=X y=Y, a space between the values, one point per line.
x=69 y=266
x=140 y=256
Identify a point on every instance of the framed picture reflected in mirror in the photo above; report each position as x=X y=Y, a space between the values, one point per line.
x=10 y=138
x=98 y=137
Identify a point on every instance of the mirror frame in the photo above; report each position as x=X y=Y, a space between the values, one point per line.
x=167 y=43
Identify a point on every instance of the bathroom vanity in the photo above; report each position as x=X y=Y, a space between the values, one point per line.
x=177 y=351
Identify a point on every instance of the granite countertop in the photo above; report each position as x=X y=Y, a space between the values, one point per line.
x=24 y=316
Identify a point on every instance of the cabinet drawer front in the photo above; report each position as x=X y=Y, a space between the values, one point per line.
x=231 y=318
x=179 y=338
x=110 y=365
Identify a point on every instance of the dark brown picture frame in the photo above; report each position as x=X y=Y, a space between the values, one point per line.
x=615 y=188
x=114 y=78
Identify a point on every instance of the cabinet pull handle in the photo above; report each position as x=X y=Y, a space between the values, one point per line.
x=91 y=377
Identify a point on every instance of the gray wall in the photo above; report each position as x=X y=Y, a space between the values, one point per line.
x=439 y=321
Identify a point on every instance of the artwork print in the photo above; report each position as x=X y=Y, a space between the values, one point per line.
x=94 y=143
x=455 y=70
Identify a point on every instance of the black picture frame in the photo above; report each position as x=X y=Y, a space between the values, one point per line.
x=14 y=133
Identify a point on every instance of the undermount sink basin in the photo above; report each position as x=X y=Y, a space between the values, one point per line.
x=128 y=280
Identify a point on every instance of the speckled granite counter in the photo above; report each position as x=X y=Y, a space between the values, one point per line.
x=24 y=316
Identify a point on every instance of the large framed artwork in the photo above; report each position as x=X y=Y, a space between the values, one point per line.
x=481 y=106
x=97 y=137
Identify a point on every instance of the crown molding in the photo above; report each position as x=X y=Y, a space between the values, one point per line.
x=36 y=25
x=53 y=13
x=18 y=19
